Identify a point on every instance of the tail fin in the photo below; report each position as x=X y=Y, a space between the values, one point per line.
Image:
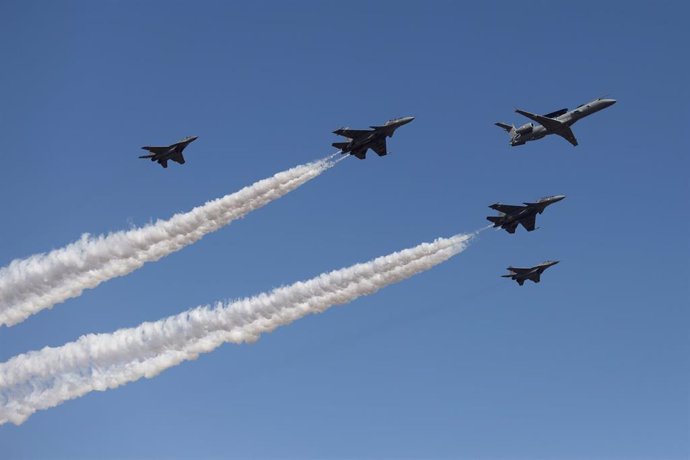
x=508 y=128
x=340 y=145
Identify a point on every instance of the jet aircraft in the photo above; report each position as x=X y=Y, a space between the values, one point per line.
x=558 y=122
x=172 y=152
x=512 y=215
x=532 y=273
x=360 y=140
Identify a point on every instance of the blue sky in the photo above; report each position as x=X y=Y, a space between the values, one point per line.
x=453 y=363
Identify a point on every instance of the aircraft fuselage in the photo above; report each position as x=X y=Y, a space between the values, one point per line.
x=534 y=131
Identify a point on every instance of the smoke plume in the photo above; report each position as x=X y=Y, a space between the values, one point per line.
x=43 y=379
x=30 y=285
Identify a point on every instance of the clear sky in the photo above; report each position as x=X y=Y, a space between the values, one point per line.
x=454 y=363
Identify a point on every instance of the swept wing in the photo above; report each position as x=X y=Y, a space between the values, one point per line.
x=506 y=208
x=529 y=223
x=352 y=133
x=379 y=147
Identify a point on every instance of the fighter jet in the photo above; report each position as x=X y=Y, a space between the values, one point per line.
x=558 y=122
x=526 y=215
x=360 y=140
x=532 y=274
x=172 y=152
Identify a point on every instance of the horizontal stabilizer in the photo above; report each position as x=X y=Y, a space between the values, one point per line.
x=146 y=156
x=360 y=153
x=494 y=219
x=340 y=145
x=505 y=126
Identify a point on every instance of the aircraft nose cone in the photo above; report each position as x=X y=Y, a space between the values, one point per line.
x=557 y=198
x=406 y=120
x=608 y=102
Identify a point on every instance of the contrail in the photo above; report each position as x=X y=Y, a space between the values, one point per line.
x=42 y=379
x=30 y=285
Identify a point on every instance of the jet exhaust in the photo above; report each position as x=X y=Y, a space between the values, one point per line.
x=46 y=378
x=30 y=285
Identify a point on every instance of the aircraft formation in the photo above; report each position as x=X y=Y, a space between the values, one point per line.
x=559 y=123
x=359 y=141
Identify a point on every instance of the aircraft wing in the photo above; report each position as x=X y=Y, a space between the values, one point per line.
x=379 y=147
x=529 y=223
x=555 y=114
x=536 y=277
x=546 y=122
x=156 y=150
x=506 y=208
x=567 y=134
x=178 y=158
x=352 y=133
x=518 y=271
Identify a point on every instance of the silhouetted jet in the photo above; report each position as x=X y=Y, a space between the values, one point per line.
x=532 y=274
x=172 y=152
x=558 y=122
x=512 y=215
x=360 y=140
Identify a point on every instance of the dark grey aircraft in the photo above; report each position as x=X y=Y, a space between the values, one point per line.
x=558 y=122
x=512 y=215
x=360 y=140
x=532 y=273
x=172 y=152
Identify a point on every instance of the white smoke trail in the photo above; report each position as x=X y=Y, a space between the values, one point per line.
x=30 y=285
x=43 y=379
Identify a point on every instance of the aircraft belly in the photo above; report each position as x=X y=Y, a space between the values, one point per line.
x=538 y=132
